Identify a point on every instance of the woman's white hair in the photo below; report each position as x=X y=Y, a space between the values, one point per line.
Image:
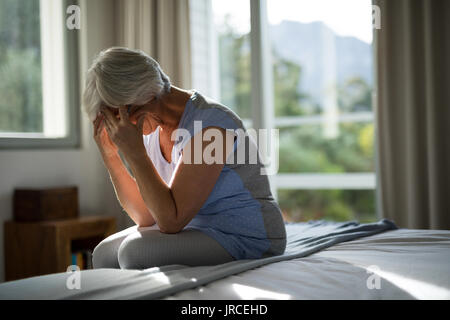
x=120 y=76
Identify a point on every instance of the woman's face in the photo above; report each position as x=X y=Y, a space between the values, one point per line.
x=147 y=110
x=135 y=112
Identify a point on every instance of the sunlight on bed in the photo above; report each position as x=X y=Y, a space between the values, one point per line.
x=249 y=293
x=155 y=275
x=416 y=288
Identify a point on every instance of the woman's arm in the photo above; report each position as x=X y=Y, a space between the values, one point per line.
x=127 y=191
x=175 y=206
x=171 y=207
x=124 y=185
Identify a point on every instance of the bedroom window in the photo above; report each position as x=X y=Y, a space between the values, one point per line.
x=317 y=92
x=321 y=54
x=38 y=75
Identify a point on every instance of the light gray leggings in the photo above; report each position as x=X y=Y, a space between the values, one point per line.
x=141 y=248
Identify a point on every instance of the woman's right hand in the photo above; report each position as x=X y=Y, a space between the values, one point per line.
x=105 y=145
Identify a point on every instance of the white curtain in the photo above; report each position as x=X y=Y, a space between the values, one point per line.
x=161 y=29
x=413 y=112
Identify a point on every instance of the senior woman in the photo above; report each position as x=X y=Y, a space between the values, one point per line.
x=188 y=210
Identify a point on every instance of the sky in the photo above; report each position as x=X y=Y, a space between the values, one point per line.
x=344 y=17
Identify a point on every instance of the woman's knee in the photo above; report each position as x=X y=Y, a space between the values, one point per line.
x=103 y=256
x=142 y=250
x=105 y=253
x=130 y=255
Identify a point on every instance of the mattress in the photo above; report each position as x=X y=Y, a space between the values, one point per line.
x=396 y=264
x=323 y=261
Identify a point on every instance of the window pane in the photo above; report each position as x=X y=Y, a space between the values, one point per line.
x=232 y=22
x=220 y=33
x=322 y=56
x=322 y=69
x=336 y=205
x=322 y=74
x=20 y=67
x=305 y=149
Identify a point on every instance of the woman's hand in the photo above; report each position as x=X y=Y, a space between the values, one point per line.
x=105 y=145
x=124 y=134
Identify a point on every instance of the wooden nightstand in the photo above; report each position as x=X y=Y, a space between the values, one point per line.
x=37 y=248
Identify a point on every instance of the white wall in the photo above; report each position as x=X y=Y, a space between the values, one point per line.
x=82 y=167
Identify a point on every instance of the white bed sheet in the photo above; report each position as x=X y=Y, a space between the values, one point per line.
x=410 y=264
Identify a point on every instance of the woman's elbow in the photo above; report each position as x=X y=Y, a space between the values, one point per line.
x=144 y=224
x=170 y=229
x=144 y=221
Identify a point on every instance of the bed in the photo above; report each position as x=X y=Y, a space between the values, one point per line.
x=323 y=260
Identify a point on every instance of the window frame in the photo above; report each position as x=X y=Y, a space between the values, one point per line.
x=72 y=101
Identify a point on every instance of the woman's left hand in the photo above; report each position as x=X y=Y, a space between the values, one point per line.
x=126 y=135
